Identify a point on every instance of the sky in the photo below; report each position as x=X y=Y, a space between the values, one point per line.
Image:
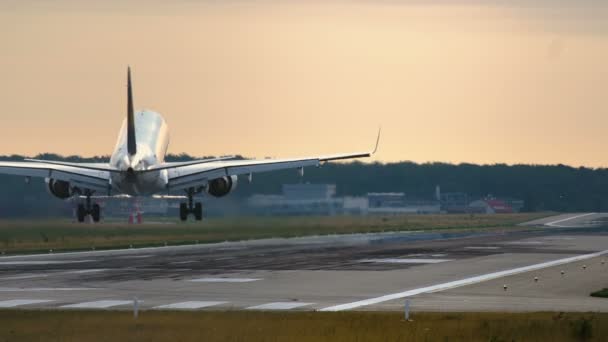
x=451 y=81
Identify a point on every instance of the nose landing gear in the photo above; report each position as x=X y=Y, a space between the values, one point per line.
x=191 y=208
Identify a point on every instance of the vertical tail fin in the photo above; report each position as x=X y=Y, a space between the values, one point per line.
x=131 y=143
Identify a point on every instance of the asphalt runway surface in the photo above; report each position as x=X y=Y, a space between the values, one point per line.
x=554 y=269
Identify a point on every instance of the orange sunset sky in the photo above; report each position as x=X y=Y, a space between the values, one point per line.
x=454 y=81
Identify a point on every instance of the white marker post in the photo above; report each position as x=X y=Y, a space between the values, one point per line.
x=135 y=307
x=407 y=310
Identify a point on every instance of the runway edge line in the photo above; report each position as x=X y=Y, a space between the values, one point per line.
x=461 y=282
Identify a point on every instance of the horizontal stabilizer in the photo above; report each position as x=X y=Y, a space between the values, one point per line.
x=165 y=166
x=86 y=166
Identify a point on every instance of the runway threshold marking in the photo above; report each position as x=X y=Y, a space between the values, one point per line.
x=461 y=282
x=224 y=280
x=192 y=305
x=99 y=304
x=18 y=302
x=554 y=223
x=279 y=306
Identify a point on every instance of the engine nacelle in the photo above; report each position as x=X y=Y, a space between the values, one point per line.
x=221 y=186
x=58 y=188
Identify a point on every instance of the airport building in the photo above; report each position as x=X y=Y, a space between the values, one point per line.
x=302 y=199
x=320 y=199
x=454 y=202
x=398 y=203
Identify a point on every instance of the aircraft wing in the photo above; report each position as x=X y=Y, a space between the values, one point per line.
x=198 y=175
x=85 y=177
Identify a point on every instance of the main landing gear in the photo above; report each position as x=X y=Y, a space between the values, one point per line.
x=88 y=209
x=191 y=208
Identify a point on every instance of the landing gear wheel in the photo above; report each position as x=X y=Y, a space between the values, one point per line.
x=198 y=211
x=88 y=209
x=96 y=212
x=190 y=207
x=183 y=211
x=81 y=212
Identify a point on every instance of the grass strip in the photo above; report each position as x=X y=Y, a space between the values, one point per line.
x=30 y=325
x=22 y=236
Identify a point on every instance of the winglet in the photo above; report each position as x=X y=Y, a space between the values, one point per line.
x=131 y=143
x=377 y=141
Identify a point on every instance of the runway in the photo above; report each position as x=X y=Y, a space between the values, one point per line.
x=435 y=271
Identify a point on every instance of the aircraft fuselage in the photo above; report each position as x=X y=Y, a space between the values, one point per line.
x=152 y=141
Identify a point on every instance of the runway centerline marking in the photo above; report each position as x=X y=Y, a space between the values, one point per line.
x=192 y=305
x=279 y=306
x=461 y=282
x=18 y=302
x=406 y=261
x=224 y=280
x=100 y=304
x=554 y=223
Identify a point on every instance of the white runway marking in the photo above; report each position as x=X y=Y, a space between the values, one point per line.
x=100 y=304
x=482 y=247
x=524 y=243
x=192 y=305
x=44 y=275
x=183 y=262
x=554 y=223
x=18 y=302
x=41 y=262
x=86 y=271
x=405 y=261
x=44 y=289
x=224 y=280
x=461 y=282
x=25 y=276
x=236 y=248
x=279 y=306
x=136 y=256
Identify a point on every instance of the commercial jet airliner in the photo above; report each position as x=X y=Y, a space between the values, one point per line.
x=137 y=167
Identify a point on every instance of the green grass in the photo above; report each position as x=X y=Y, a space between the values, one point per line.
x=601 y=293
x=85 y=326
x=58 y=235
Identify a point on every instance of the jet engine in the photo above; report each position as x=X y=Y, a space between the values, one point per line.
x=221 y=186
x=58 y=188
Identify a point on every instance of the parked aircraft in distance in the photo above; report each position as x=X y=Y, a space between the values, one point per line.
x=137 y=167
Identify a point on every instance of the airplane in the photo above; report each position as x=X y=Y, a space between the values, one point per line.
x=137 y=167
